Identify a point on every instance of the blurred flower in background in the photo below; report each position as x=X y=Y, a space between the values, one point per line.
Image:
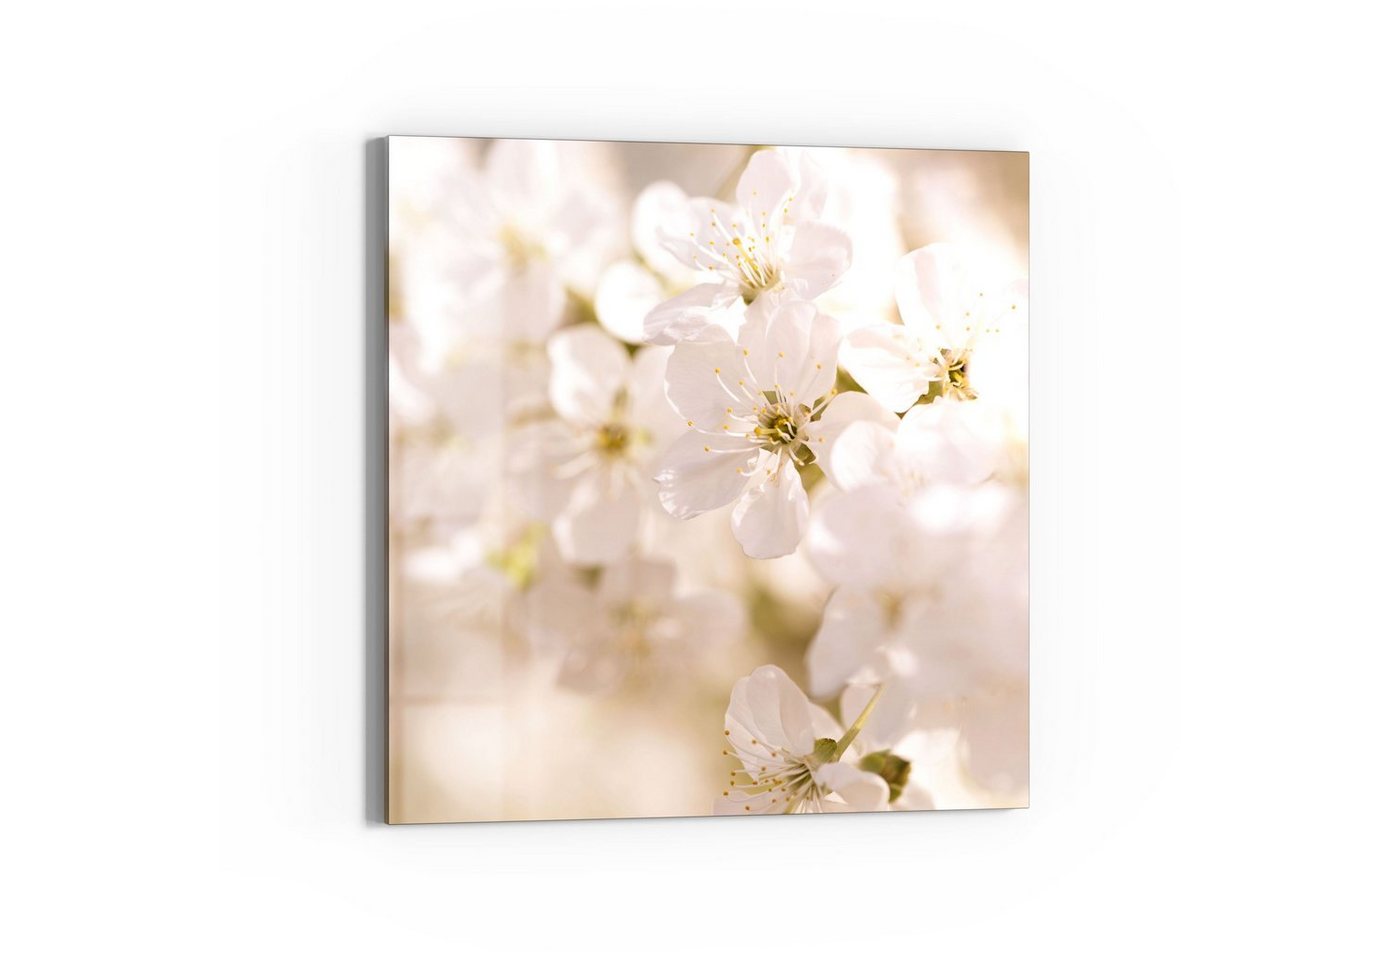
x=708 y=483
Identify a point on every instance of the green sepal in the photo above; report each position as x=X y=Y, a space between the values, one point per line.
x=825 y=751
x=893 y=769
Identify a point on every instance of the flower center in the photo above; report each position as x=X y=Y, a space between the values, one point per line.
x=632 y=622
x=613 y=439
x=755 y=272
x=520 y=248
x=955 y=383
x=786 y=783
x=781 y=425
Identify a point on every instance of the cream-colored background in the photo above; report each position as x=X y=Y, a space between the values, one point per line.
x=1214 y=628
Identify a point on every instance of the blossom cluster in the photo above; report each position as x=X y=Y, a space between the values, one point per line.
x=676 y=446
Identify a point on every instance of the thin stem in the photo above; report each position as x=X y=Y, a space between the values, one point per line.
x=850 y=735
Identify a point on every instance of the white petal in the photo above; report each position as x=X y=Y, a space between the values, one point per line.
x=853 y=626
x=791 y=348
x=702 y=241
x=626 y=292
x=863 y=454
x=818 y=257
x=825 y=725
x=809 y=202
x=709 y=384
x=600 y=521
x=688 y=314
x=587 y=369
x=884 y=359
x=771 y=518
x=700 y=473
x=771 y=708
x=859 y=790
x=928 y=286
x=766 y=188
x=953 y=294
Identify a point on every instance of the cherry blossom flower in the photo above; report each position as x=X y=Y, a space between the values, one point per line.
x=753 y=409
x=588 y=469
x=632 y=625
x=963 y=328
x=790 y=753
x=763 y=249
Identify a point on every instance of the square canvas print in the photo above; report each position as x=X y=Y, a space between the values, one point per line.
x=708 y=479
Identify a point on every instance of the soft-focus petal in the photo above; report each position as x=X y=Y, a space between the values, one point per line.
x=587 y=369
x=626 y=292
x=887 y=723
x=649 y=408
x=995 y=744
x=662 y=207
x=863 y=454
x=700 y=472
x=950 y=442
x=539 y=453
x=847 y=408
x=524 y=173
x=649 y=581
x=772 y=516
x=864 y=538
x=710 y=619
x=557 y=613
x=853 y=625
x=600 y=521
x=518 y=307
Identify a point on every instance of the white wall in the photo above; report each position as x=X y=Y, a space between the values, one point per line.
x=1214 y=256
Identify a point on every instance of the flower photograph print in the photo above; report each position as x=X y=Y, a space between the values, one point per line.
x=708 y=480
